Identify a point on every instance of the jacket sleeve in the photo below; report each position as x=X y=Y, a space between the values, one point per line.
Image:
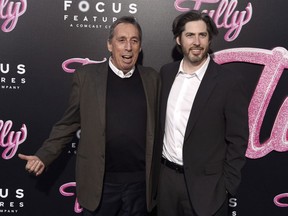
x=64 y=130
x=237 y=132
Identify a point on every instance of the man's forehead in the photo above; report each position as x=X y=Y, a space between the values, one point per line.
x=195 y=26
x=126 y=29
x=127 y=36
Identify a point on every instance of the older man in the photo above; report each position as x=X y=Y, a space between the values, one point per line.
x=114 y=104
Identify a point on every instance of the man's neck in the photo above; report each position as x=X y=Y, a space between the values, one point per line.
x=190 y=67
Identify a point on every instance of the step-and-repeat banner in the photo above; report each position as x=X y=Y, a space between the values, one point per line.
x=43 y=42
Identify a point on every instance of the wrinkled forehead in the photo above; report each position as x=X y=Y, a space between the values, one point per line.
x=126 y=30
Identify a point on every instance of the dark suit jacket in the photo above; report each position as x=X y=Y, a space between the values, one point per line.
x=216 y=136
x=86 y=110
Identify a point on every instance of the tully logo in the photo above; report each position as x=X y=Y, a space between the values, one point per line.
x=64 y=191
x=278 y=198
x=225 y=16
x=82 y=61
x=10 y=12
x=10 y=140
x=274 y=62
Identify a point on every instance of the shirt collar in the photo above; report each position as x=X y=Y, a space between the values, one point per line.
x=199 y=73
x=119 y=72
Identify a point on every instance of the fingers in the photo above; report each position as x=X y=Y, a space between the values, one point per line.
x=34 y=165
x=23 y=157
x=40 y=171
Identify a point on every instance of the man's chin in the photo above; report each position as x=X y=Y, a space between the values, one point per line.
x=127 y=69
x=127 y=66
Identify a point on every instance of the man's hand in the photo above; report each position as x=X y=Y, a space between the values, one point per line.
x=33 y=165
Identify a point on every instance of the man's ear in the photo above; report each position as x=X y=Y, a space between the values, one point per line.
x=109 y=46
x=178 y=41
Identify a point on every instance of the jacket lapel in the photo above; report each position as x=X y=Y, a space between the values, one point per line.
x=149 y=90
x=100 y=89
x=205 y=89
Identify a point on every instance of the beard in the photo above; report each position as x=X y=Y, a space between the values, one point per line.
x=196 y=55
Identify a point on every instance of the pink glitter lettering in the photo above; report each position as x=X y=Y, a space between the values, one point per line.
x=274 y=62
x=10 y=12
x=278 y=198
x=63 y=189
x=13 y=139
x=232 y=20
x=82 y=61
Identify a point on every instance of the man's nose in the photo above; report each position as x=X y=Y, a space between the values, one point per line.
x=128 y=45
x=196 y=40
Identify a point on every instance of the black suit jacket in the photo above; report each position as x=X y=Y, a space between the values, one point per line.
x=216 y=136
x=86 y=110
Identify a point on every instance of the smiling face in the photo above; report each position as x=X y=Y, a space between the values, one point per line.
x=124 y=46
x=194 y=42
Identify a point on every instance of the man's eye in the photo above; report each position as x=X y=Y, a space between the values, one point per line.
x=203 y=35
x=121 y=41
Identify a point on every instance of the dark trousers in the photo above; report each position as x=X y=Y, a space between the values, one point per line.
x=121 y=200
x=173 y=197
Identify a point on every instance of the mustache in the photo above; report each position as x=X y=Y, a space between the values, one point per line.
x=196 y=48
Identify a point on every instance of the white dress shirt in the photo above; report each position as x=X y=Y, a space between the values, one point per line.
x=179 y=104
x=120 y=73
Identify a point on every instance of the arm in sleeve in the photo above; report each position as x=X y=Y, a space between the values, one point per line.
x=64 y=130
x=237 y=134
